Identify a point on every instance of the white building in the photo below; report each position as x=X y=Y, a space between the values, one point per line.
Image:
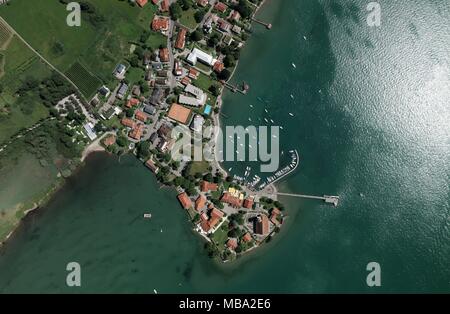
x=189 y=101
x=197 y=124
x=89 y=128
x=203 y=57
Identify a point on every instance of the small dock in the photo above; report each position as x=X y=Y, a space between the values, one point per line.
x=235 y=88
x=266 y=25
x=334 y=200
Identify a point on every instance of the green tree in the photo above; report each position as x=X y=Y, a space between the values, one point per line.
x=175 y=11
x=196 y=35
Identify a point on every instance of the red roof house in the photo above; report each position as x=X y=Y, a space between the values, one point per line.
x=160 y=23
x=206 y=186
x=200 y=202
x=185 y=200
x=181 y=39
x=141 y=3
x=221 y=7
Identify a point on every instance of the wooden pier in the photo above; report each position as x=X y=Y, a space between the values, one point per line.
x=267 y=25
x=235 y=88
x=326 y=198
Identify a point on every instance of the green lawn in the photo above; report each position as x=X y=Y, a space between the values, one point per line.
x=187 y=18
x=156 y=40
x=135 y=75
x=220 y=237
x=203 y=81
x=98 y=47
x=199 y=166
x=19 y=63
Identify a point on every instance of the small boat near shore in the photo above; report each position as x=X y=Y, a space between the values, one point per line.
x=147 y=216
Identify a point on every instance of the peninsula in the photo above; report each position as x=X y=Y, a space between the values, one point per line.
x=171 y=72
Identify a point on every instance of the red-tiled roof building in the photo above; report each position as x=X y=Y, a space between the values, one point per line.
x=160 y=23
x=221 y=7
x=132 y=102
x=151 y=165
x=141 y=3
x=231 y=200
x=247 y=237
x=200 y=202
x=128 y=123
x=232 y=243
x=248 y=203
x=164 y=54
x=141 y=116
x=185 y=200
x=262 y=225
x=206 y=186
x=181 y=39
x=193 y=73
x=136 y=132
x=165 y=6
x=218 y=67
x=109 y=140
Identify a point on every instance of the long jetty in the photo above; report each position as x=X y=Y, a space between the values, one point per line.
x=267 y=25
x=235 y=89
x=326 y=198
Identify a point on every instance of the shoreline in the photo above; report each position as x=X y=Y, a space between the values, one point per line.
x=96 y=147
x=38 y=204
x=92 y=148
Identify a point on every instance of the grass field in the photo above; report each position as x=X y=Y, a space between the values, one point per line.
x=86 y=82
x=5 y=36
x=156 y=40
x=204 y=82
x=187 y=18
x=19 y=63
x=98 y=49
x=199 y=166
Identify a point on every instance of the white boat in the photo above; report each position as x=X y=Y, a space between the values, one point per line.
x=272 y=121
x=266 y=120
x=291 y=114
x=161 y=230
x=251 y=106
x=294 y=66
x=304 y=37
x=250 y=119
x=281 y=128
x=230 y=169
x=147 y=216
x=292 y=96
x=154 y=290
x=266 y=110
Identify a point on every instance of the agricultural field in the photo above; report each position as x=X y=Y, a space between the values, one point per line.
x=5 y=36
x=102 y=40
x=86 y=82
x=18 y=63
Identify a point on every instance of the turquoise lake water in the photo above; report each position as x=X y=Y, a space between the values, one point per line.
x=371 y=125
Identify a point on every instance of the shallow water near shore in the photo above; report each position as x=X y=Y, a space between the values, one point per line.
x=371 y=125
